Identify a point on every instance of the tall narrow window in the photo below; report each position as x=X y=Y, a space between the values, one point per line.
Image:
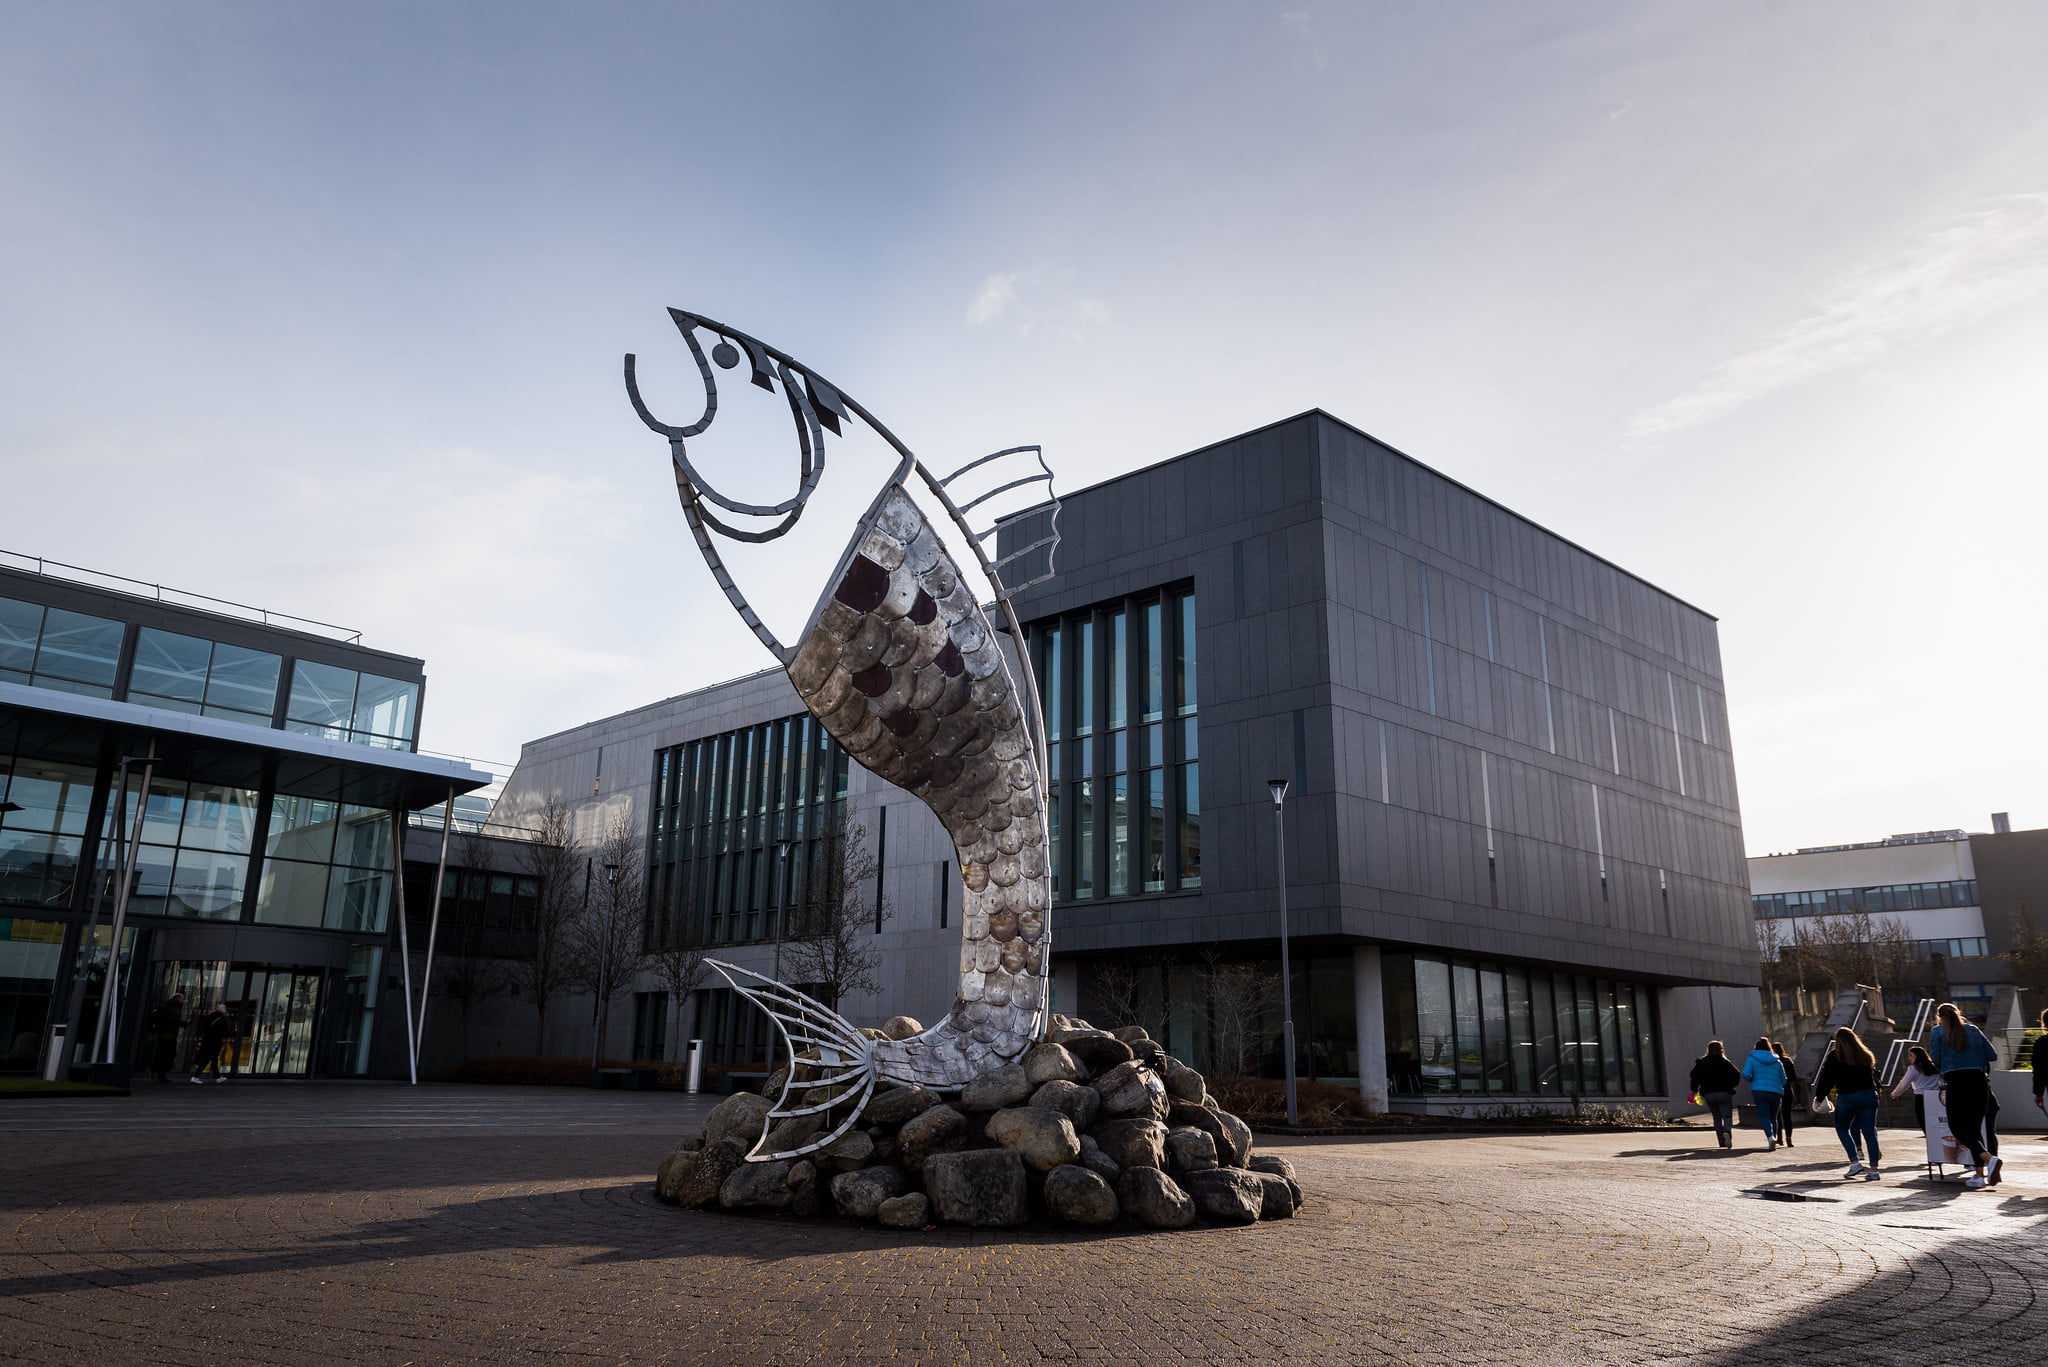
x=1119 y=754
x=1187 y=775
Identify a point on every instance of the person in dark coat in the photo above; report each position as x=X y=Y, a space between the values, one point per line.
x=164 y=1024
x=1796 y=1095
x=1716 y=1081
x=214 y=1032
x=1850 y=1071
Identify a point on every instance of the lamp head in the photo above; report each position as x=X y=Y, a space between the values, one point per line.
x=1279 y=787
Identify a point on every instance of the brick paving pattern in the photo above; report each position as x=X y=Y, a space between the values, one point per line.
x=384 y=1225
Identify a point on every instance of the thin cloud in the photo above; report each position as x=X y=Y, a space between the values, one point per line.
x=1035 y=301
x=1981 y=262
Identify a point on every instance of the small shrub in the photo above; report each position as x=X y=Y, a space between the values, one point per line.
x=1264 y=1100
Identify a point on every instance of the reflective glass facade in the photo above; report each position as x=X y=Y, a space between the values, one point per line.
x=1120 y=687
x=74 y=652
x=739 y=830
x=1468 y=1026
x=1961 y=892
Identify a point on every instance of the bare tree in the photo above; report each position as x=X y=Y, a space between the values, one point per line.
x=677 y=957
x=830 y=948
x=1241 y=998
x=609 y=927
x=1113 y=995
x=551 y=860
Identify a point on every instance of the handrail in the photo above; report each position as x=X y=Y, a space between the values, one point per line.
x=80 y=574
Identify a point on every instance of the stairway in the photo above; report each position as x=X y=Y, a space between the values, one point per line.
x=1851 y=1003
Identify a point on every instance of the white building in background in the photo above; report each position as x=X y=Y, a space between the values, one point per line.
x=1925 y=882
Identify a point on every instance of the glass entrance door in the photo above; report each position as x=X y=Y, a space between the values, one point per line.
x=271 y=1009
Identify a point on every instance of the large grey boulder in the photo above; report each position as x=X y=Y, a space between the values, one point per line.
x=669 y=1176
x=1098 y=1053
x=1152 y=1198
x=995 y=1089
x=1151 y=1053
x=1270 y=1162
x=806 y=1190
x=939 y=1130
x=848 y=1153
x=1076 y=1102
x=1183 y=1083
x=859 y=1195
x=1233 y=1137
x=1227 y=1196
x=1079 y=1197
x=756 y=1186
x=1131 y=1088
x=792 y=1133
x=985 y=1188
x=1051 y=1062
x=1190 y=1150
x=1042 y=1138
x=901 y=1027
x=1135 y=1143
x=1098 y=1162
x=1279 y=1200
x=1131 y=1034
x=739 y=1114
x=699 y=1186
x=898 y=1105
x=1236 y=1131
x=911 y=1210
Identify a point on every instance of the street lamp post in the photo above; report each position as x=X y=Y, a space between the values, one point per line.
x=1279 y=787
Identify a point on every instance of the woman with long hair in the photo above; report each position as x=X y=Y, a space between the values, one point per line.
x=1851 y=1073
x=1922 y=1077
x=1715 y=1080
x=1965 y=1057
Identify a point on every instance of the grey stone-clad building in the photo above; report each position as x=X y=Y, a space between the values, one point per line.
x=1514 y=854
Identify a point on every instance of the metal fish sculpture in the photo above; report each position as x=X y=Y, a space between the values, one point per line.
x=901 y=665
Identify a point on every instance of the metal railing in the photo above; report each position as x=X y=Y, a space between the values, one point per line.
x=79 y=574
x=1895 y=1056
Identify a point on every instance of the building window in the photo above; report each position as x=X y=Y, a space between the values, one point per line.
x=39 y=842
x=326 y=864
x=197 y=839
x=29 y=951
x=1847 y=901
x=742 y=824
x=1125 y=807
x=341 y=704
x=53 y=648
x=1473 y=1027
x=192 y=674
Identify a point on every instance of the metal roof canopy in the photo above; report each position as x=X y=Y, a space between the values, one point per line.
x=53 y=725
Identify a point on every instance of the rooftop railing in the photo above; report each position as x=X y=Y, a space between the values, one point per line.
x=121 y=583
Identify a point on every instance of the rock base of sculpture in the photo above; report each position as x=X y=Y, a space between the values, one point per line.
x=1091 y=1128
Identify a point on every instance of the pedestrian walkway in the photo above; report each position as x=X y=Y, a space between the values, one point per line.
x=517 y=1225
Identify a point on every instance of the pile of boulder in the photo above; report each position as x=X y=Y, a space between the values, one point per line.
x=1089 y=1128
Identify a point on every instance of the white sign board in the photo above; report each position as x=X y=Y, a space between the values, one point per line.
x=1941 y=1143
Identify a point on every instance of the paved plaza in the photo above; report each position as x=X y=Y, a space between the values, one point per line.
x=379 y=1224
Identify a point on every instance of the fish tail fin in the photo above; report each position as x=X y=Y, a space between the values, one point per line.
x=845 y=1060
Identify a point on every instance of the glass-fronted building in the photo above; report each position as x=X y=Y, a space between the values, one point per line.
x=267 y=772
x=1514 y=860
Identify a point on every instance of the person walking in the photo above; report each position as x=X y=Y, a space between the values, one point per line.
x=1922 y=1077
x=214 y=1031
x=1965 y=1057
x=1796 y=1095
x=1766 y=1078
x=1715 y=1080
x=164 y=1023
x=1850 y=1071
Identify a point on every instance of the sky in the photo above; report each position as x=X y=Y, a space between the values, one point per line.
x=321 y=308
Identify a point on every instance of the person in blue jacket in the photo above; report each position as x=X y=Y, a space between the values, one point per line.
x=1766 y=1077
x=1965 y=1057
